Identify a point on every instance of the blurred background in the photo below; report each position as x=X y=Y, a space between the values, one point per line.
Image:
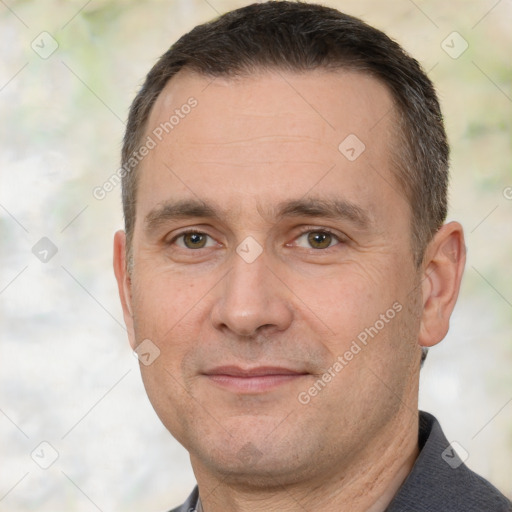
x=76 y=428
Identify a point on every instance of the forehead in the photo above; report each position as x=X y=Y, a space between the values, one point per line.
x=271 y=134
x=331 y=101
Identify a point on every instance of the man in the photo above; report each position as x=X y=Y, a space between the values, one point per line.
x=285 y=264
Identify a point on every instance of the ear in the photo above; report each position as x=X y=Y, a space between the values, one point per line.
x=124 y=283
x=443 y=267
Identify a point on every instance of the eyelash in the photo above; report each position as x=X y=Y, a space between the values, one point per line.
x=339 y=238
x=188 y=232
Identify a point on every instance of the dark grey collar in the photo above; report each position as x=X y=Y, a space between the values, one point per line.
x=439 y=481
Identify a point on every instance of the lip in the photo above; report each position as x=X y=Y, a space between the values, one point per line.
x=252 y=380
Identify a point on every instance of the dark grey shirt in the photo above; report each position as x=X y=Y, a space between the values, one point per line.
x=438 y=482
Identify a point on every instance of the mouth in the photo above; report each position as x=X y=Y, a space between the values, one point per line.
x=253 y=380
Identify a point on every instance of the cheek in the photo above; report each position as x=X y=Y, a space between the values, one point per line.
x=349 y=299
x=170 y=312
x=168 y=397
x=161 y=299
x=165 y=312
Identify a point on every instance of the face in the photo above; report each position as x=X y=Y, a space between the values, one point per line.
x=273 y=270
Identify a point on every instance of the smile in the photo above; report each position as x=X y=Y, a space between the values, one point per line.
x=255 y=380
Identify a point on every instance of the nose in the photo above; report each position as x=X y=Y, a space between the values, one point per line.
x=251 y=299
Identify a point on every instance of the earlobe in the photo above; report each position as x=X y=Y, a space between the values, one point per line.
x=444 y=262
x=124 y=283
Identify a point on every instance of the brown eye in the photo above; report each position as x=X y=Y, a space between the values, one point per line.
x=194 y=240
x=319 y=239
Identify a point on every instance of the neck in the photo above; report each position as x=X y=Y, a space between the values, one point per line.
x=369 y=485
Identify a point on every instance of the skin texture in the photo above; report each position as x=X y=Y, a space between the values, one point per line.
x=249 y=146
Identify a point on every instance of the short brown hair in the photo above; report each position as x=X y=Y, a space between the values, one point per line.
x=300 y=37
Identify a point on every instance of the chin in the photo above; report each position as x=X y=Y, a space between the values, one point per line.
x=252 y=470
x=253 y=458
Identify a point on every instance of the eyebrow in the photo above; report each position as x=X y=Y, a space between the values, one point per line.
x=304 y=207
x=327 y=208
x=183 y=209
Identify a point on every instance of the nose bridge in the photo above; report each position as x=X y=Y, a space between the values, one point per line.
x=248 y=278
x=251 y=296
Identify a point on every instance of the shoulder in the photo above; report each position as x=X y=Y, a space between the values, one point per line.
x=440 y=480
x=190 y=503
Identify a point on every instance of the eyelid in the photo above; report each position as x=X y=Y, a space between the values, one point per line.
x=316 y=229
x=187 y=231
x=341 y=238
